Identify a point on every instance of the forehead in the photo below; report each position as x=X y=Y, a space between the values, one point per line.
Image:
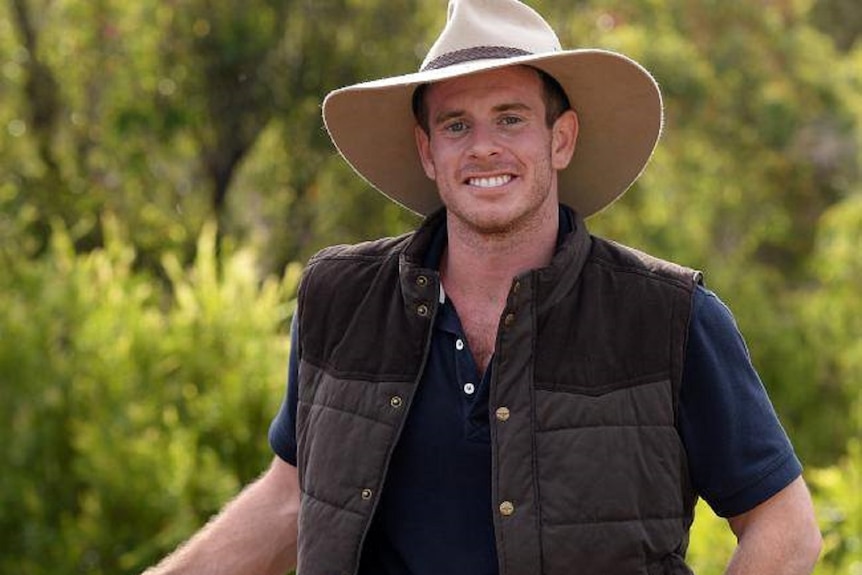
x=521 y=83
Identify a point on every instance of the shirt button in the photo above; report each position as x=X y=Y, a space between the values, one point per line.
x=366 y=494
x=502 y=413
x=506 y=508
x=396 y=401
x=469 y=388
x=459 y=344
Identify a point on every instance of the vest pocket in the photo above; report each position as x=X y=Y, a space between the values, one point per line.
x=610 y=475
x=646 y=404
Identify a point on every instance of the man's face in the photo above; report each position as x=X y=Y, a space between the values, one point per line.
x=491 y=152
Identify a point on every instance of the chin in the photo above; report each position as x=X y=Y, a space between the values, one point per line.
x=493 y=225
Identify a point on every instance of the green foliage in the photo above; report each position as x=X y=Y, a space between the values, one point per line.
x=841 y=19
x=838 y=500
x=711 y=543
x=142 y=352
x=133 y=412
x=830 y=313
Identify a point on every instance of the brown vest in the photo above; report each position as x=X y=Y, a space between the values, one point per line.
x=588 y=470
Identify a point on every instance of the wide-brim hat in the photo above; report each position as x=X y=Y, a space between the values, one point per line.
x=618 y=104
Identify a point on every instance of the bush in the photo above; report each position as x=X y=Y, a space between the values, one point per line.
x=136 y=407
x=838 y=499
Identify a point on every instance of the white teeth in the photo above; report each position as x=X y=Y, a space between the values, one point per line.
x=490 y=182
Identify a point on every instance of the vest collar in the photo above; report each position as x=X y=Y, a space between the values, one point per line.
x=426 y=247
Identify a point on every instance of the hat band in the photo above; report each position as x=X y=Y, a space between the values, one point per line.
x=474 y=53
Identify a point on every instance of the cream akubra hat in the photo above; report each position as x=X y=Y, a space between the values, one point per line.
x=618 y=104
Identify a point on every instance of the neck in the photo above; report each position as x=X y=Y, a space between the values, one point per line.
x=487 y=263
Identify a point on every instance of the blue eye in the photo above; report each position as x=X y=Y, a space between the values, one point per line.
x=455 y=127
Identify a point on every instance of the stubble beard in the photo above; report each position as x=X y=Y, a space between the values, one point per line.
x=492 y=229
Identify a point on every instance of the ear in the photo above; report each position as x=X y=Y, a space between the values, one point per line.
x=423 y=147
x=563 y=139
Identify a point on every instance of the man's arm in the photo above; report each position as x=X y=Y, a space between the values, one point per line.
x=255 y=534
x=779 y=536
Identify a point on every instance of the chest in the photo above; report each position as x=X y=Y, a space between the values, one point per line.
x=480 y=322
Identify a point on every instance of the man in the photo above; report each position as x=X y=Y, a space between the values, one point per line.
x=500 y=392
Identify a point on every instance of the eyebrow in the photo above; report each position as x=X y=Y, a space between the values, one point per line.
x=506 y=107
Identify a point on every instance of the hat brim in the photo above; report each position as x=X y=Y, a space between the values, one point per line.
x=619 y=110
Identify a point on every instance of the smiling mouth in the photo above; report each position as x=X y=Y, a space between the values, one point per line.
x=490 y=182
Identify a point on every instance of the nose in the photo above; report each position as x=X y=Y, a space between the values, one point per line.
x=483 y=142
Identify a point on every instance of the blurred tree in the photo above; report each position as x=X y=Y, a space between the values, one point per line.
x=841 y=19
x=307 y=197
x=165 y=101
x=232 y=68
x=40 y=88
x=135 y=405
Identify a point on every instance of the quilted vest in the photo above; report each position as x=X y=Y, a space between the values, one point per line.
x=588 y=471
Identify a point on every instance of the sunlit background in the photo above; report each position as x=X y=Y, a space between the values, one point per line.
x=164 y=175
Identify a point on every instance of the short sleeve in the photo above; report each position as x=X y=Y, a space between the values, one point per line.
x=737 y=450
x=282 y=430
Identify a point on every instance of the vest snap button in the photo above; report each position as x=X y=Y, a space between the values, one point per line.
x=506 y=508
x=396 y=401
x=422 y=281
x=510 y=319
x=422 y=310
x=502 y=413
x=366 y=494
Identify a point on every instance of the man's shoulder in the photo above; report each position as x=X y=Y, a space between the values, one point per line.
x=353 y=267
x=362 y=252
x=622 y=258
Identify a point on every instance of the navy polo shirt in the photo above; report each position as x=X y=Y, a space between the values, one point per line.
x=435 y=513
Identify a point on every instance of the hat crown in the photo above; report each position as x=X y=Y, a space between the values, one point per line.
x=480 y=29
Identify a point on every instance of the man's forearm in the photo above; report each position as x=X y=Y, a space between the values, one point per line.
x=779 y=537
x=754 y=559
x=255 y=534
x=771 y=560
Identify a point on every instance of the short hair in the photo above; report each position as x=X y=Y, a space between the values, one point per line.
x=555 y=98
